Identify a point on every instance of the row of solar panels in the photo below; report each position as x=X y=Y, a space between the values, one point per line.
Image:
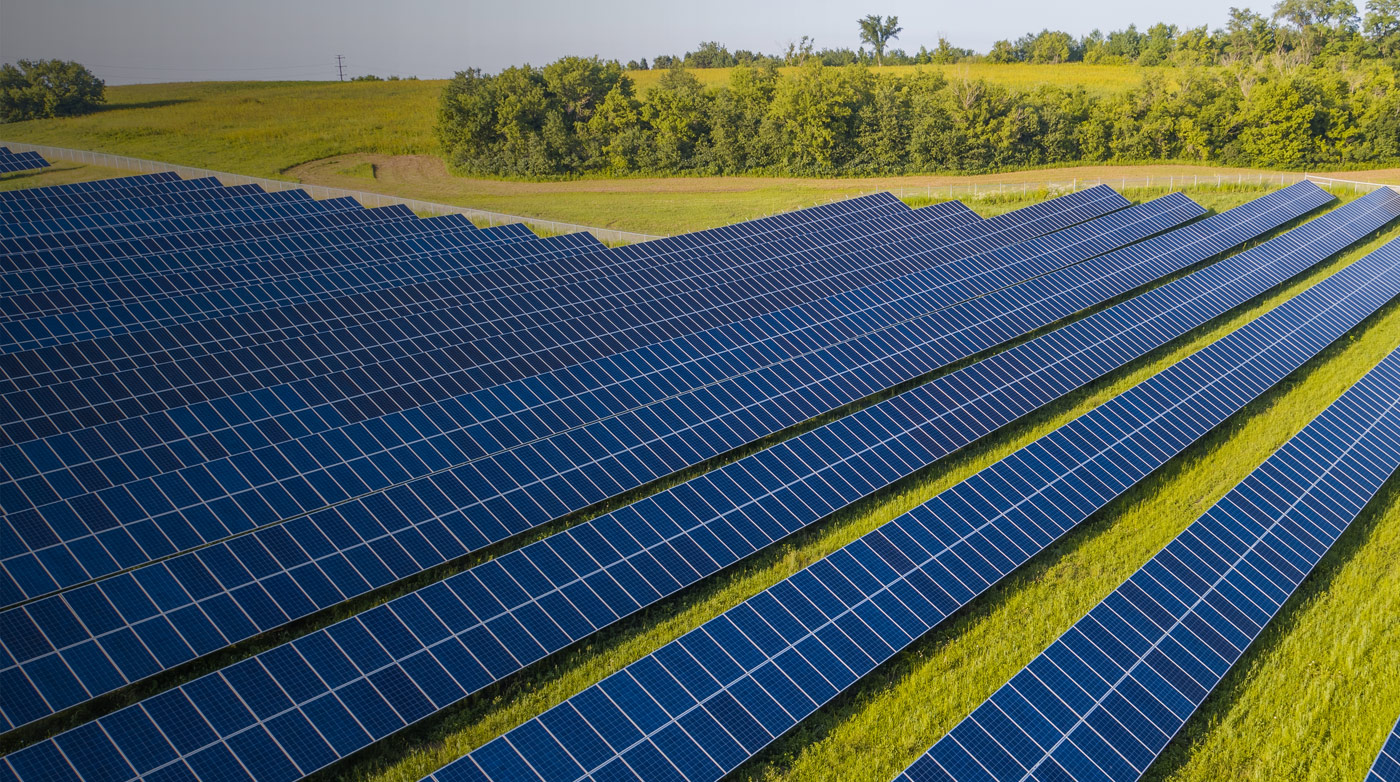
x=223 y=421
x=10 y=162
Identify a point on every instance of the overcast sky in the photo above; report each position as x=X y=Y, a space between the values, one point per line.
x=182 y=40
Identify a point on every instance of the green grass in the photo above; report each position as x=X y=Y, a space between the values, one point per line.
x=363 y=170
x=890 y=717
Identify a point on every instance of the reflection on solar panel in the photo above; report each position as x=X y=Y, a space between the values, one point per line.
x=1239 y=224
x=1105 y=698
x=173 y=191
x=431 y=667
x=11 y=162
x=1387 y=765
x=698 y=707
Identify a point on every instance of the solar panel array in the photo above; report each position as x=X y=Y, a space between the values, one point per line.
x=997 y=319
x=1387 y=765
x=223 y=410
x=619 y=464
x=210 y=603
x=11 y=162
x=698 y=707
x=1105 y=698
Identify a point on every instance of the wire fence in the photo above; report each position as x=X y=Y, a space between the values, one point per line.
x=121 y=162
x=976 y=191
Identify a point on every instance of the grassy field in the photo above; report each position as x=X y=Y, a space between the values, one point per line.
x=1333 y=648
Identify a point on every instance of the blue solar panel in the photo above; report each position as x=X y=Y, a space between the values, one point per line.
x=64 y=231
x=80 y=287
x=11 y=162
x=698 y=707
x=176 y=234
x=188 y=195
x=434 y=615
x=119 y=183
x=1018 y=325
x=138 y=215
x=1387 y=765
x=1205 y=239
x=1103 y=701
x=622 y=468
x=64 y=253
x=209 y=305
x=172 y=191
x=191 y=356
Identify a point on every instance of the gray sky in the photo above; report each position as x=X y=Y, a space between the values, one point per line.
x=183 y=40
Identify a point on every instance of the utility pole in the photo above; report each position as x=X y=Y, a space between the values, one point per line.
x=340 y=65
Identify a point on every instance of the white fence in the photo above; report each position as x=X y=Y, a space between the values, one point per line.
x=974 y=191
x=318 y=191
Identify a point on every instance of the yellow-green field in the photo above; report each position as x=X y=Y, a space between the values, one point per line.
x=1097 y=79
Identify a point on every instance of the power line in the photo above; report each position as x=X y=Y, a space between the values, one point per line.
x=340 y=65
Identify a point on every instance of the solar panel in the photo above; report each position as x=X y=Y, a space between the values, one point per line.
x=205 y=198
x=1387 y=765
x=158 y=236
x=78 y=287
x=1103 y=701
x=141 y=214
x=698 y=707
x=25 y=161
x=471 y=587
x=232 y=508
x=1105 y=283
x=109 y=224
x=236 y=303
x=224 y=335
x=170 y=191
x=118 y=183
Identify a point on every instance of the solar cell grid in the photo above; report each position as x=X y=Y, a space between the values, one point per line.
x=611 y=531
x=405 y=269
x=105 y=246
x=19 y=214
x=262 y=327
x=118 y=183
x=173 y=188
x=207 y=220
x=1387 y=765
x=82 y=287
x=1103 y=701
x=699 y=706
x=358 y=444
x=142 y=214
x=11 y=163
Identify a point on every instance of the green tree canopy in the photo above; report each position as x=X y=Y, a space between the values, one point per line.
x=39 y=89
x=879 y=31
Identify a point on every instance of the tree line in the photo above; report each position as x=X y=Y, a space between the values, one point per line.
x=1264 y=105
x=1300 y=29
